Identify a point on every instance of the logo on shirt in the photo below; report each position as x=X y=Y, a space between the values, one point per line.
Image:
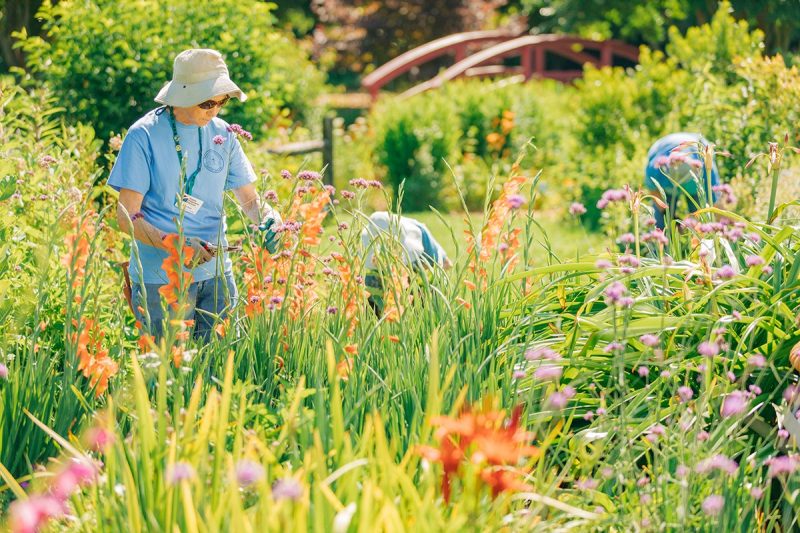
x=213 y=161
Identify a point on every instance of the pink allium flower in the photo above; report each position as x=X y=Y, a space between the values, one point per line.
x=359 y=183
x=98 y=438
x=248 y=472
x=650 y=340
x=3 y=371
x=218 y=139
x=731 y=376
x=766 y=269
x=542 y=352
x=702 y=436
x=708 y=348
x=614 y=346
x=682 y=471
x=577 y=209
x=587 y=484
x=626 y=238
x=603 y=264
x=782 y=465
x=180 y=471
x=239 y=131
x=642 y=481
x=271 y=196
x=783 y=434
x=661 y=161
x=548 y=373
x=615 y=292
x=557 y=400
x=756 y=493
x=665 y=374
x=791 y=394
x=518 y=374
x=349 y=195
x=717 y=462
x=309 y=175
x=285 y=174
x=725 y=272
x=713 y=505
x=757 y=360
x=287 y=488
x=734 y=403
x=643 y=371
x=630 y=260
x=601 y=411
x=656 y=431
x=515 y=201
x=754 y=389
x=589 y=415
x=46 y=161
x=685 y=393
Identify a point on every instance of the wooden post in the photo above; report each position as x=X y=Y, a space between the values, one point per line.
x=327 y=149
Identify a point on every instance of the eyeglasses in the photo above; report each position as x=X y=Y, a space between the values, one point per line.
x=211 y=104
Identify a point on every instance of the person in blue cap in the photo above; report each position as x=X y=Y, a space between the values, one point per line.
x=675 y=166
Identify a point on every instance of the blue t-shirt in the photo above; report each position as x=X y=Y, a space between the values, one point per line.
x=148 y=164
x=663 y=162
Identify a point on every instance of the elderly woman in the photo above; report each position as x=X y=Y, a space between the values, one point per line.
x=173 y=169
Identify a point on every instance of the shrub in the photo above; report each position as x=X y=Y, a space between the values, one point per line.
x=87 y=57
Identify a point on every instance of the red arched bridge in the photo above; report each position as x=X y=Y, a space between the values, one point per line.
x=483 y=53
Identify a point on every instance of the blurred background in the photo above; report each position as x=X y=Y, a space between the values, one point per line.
x=722 y=68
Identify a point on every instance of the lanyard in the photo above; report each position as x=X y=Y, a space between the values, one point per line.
x=189 y=184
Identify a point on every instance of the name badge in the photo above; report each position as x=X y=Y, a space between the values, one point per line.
x=191 y=204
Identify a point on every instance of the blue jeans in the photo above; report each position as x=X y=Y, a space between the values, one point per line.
x=208 y=302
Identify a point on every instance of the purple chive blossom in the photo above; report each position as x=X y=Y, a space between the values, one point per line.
x=626 y=238
x=755 y=390
x=589 y=415
x=309 y=175
x=542 y=352
x=649 y=340
x=285 y=174
x=239 y=131
x=612 y=195
x=713 y=505
x=708 y=348
x=331 y=189
x=587 y=484
x=665 y=374
x=271 y=196
x=734 y=403
x=603 y=264
x=791 y=394
x=46 y=161
x=782 y=465
x=180 y=472
x=577 y=209
x=682 y=471
x=661 y=161
x=349 y=195
x=359 y=183
x=757 y=360
x=656 y=236
x=332 y=310
x=725 y=272
x=766 y=269
x=630 y=260
x=615 y=292
x=343 y=226
x=218 y=139
x=375 y=184
x=731 y=376
x=3 y=371
x=518 y=374
x=559 y=399
x=515 y=201
x=717 y=462
x=614 y=346
x=643 y=371
x=685 y=393
x=547 y=373
x=655 y=432
x=783 y=434
x=287 y=489
x=248 y=472
x=702 y=436
x=754 y=260
x=756 y=493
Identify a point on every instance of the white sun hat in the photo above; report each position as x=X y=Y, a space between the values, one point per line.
x=198 y=74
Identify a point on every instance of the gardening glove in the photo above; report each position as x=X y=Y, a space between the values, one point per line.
x=202 y=252
x=270 y=239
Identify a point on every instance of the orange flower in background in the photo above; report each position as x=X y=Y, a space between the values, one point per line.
x=482 y=439
x=491 y=237
x=178 y=279
x=313 y=214
x=344 y=367
x=352 y=349
x=77 y=243
x=93 y=359
x=395 y=295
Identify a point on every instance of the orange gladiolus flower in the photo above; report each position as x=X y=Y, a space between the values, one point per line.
x=352 y=349
x=93 y=359
x=344 y=367
x=178 y=280
x=77 y=244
